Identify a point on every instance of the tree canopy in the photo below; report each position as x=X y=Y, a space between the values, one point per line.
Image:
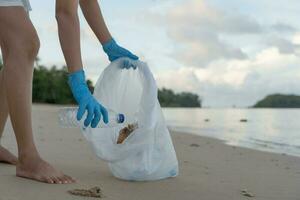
x=279 y=101
x=168 y=98
x=51 y=86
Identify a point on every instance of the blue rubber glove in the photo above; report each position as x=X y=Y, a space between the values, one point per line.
x=86 y=101
x=114 y=51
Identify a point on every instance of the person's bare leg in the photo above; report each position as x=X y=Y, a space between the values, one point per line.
x=5 y=155
x=19 y=43
x=3 y=104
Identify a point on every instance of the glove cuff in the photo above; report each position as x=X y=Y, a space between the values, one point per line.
x=76 y=77
x=109 y=45
x=79 y=88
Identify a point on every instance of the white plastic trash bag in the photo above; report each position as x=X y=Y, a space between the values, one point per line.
x=147 y=153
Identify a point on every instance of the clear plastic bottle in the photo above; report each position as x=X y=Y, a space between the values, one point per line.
x=67 y=118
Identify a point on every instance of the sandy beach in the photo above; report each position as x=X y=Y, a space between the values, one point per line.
x=209 y=169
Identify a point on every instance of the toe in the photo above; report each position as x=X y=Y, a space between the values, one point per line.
x=69 y=179
x=57 y=180
x=64 y=179
x=48 y=180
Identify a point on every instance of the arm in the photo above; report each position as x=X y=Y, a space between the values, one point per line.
x=69 y=36
x=93 y=15
x=69 y=33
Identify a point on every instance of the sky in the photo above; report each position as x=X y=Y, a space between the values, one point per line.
x=231 y=53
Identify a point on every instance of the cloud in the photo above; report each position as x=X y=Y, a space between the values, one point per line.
x=199 y=29
x=230 y=58
x=199 y=50
x=200 y=14
x=284 y=46
x=283 y=27
x=238 y=82
x=205 y=33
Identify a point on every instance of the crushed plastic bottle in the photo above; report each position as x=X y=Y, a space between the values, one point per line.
x=67 y=118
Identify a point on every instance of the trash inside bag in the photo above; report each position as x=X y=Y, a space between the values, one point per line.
x=142 y=151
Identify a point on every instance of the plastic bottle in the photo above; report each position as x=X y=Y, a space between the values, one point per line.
x=67 y=118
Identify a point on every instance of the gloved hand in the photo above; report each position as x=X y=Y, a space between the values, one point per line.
x=114 y=51
x=86 y=101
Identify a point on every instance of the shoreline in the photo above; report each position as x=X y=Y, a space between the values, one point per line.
x=209 y=169
x=225 y=142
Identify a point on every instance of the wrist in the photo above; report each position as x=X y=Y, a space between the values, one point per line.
x=78 y=85
x=105 y=39
x=109 y=45
x=76 y=80
x=77 y=76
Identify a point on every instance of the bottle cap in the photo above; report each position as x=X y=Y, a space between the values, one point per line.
x=121 y=118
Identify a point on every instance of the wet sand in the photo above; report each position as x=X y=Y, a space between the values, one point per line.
x=209 y=169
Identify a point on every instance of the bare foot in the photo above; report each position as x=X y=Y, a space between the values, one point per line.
x=7 y=157
x=39 y=170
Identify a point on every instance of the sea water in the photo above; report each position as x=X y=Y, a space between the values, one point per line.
x=274 y=130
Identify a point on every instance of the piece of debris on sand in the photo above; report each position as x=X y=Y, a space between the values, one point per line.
x=194 y=145
x=246 y=193
x=92 y=192
x=243 y=120
x=125 y=132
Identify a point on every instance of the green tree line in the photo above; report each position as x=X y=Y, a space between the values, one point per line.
x=279 y=101
x=168 y=98
x=51 y=86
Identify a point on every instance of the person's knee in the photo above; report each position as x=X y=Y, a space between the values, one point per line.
x=24 y=46
x=31 y=45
